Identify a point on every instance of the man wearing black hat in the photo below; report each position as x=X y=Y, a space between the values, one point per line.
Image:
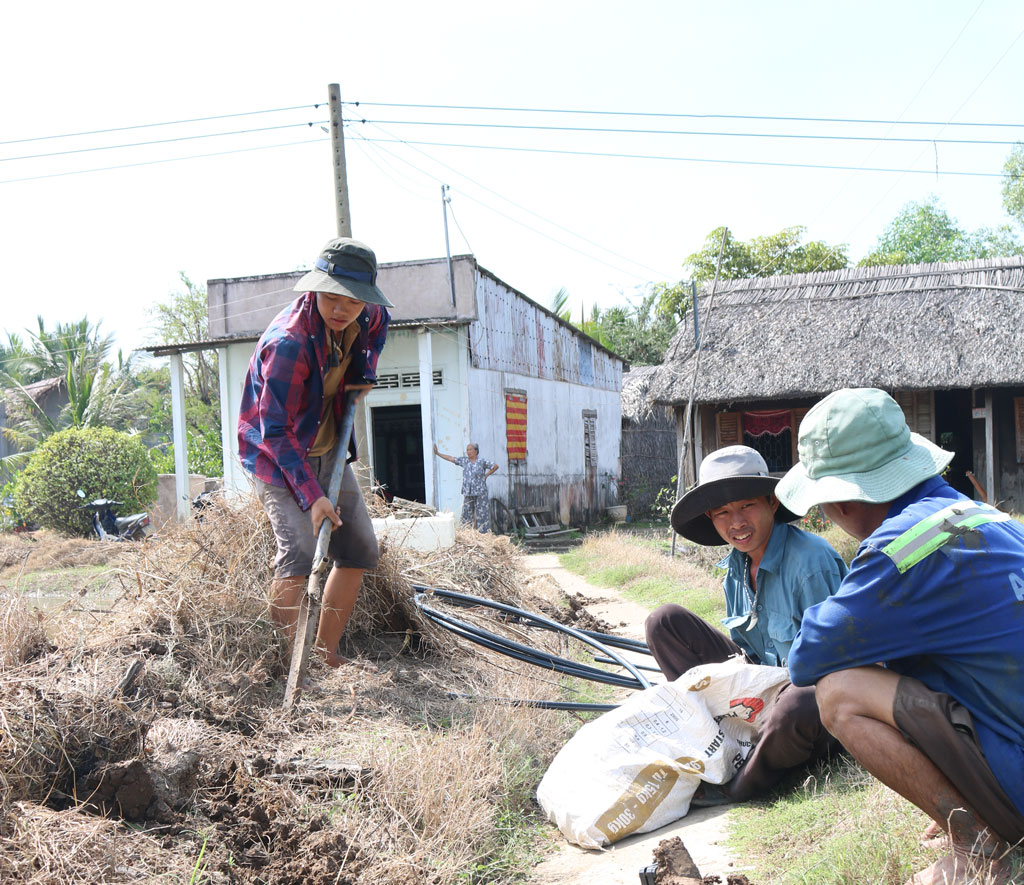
x=773 y=574
x=322 y=346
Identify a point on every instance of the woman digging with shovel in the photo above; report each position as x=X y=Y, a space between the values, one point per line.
x=317 y=353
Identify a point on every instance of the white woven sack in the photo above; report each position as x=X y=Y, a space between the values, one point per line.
x=637 y=767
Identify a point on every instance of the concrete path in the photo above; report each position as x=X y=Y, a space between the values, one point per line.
x=702 y=830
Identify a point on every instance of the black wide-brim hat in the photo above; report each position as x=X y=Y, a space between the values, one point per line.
x=345 y=267
x=734 y=473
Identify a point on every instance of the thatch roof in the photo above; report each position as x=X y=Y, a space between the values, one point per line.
x=635 y=396
x=908 y=327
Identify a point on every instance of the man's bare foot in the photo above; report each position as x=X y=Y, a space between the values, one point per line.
x=334 y=660
x=934 y=836
x=963 y=868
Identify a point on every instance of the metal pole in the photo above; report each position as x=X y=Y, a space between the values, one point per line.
x=683 y=481
x=338 y=151
x=180 y=437
x=445 y=200
x=696 y=315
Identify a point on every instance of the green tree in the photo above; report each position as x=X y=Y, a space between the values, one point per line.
x=102 y=462
x=14 y=358
x=560 y=305
x=637 y=332
x=184 y=319
x=765 y=256
x=77 y=346
x=1013 y=183
x=73 y=355
x=924 y=232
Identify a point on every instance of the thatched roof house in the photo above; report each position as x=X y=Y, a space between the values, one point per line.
x=945 y=339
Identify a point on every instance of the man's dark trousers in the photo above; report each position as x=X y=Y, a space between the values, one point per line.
x=793 y=734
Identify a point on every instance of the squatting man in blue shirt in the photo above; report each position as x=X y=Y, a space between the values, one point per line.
x=936 y=596
x=773 y=573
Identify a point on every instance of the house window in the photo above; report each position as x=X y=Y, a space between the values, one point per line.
x=772 y=433
x=589 y=438
x=919 y=411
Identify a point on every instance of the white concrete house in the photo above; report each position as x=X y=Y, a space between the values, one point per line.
x=463 y=352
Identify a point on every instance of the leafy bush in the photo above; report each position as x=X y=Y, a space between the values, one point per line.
x=205 y=453
x=102 y=462
x=10 y=519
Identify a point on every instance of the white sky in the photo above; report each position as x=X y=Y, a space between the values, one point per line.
x=110 y=244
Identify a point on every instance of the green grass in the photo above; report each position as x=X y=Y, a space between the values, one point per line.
x=643 y=573
x=92 y=580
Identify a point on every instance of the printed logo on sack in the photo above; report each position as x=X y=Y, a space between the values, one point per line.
x=688 y=763
x=634 y=807
x=747 y=709
x=701 y=685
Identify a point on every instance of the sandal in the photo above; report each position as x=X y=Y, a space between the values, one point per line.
x=708 y=795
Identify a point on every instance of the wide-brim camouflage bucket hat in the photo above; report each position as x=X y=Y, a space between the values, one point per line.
x=345 y=267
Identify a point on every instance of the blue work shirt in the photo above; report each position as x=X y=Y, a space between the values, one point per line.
x=798 y=570
x=954 y=621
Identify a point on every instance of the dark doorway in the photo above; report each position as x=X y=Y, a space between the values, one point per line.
x=398 y=452
x=955 y=433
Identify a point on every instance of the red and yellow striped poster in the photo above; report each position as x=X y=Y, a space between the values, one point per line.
x=515 y=426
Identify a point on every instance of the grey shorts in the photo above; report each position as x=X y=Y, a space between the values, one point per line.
x=354 y=545
x=942 y=729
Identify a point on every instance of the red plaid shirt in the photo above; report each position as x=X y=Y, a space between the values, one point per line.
x=282 y=400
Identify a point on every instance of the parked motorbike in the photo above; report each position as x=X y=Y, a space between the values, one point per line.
x=107 y=525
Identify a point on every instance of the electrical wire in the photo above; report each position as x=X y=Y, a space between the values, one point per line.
x=112 y=147
x=676 y=115
x=167 y=123
x=625 y=156
x=262 y=147
x=511 y=218
x=689 y=133
x=555 y=224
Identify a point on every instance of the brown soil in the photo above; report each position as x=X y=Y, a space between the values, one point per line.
x=676 y=867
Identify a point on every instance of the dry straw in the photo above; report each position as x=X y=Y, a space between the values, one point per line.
x=189 y=662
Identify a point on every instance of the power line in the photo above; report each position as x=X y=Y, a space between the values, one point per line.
x=111 y=147
x=168 y=123
x=521 y=207
x=689 y=132
x=262 y=147
x=670 y=115
x=511 y=218
x=488 y=147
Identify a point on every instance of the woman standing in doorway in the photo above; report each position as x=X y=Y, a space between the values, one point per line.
x=475 y=470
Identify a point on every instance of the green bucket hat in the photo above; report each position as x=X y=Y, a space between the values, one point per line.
x=855 y=445
x=345 y=267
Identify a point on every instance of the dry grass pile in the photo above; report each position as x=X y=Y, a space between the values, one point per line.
x=45 y=846
x=44 y=549
x=442 y=788
x=22 y=632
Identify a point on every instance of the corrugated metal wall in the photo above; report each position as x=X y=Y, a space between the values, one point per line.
x=514 y=335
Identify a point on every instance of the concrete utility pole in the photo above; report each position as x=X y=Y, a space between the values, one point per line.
x=344 y=220
x=445 y=200
x=338 y=151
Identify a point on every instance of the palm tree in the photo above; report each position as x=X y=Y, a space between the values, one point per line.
x=72 y=357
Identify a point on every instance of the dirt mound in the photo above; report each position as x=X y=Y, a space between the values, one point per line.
x=21 y=551
x=166 y=716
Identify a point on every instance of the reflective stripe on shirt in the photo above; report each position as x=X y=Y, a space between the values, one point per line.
x=933 y=532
